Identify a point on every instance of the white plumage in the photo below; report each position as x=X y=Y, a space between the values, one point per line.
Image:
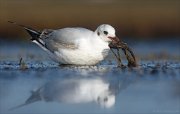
x=78 y=46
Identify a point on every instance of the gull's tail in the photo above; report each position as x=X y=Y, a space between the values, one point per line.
x=35 y=96
x=35 y=35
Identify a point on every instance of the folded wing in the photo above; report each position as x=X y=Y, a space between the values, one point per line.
x=66 y=38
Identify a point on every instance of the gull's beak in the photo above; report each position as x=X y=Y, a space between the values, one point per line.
x=115 y=39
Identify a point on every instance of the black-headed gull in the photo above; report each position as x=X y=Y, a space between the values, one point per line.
x=76 y=46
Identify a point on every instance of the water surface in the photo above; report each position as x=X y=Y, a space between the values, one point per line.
x=45 y=87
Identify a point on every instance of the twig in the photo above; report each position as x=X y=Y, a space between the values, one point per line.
x=117 y=57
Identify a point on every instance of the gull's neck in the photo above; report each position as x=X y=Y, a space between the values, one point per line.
x=99 y=41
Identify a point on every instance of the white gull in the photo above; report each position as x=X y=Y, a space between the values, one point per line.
x=75 y=46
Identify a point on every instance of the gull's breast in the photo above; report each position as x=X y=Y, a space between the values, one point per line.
x=105 y=52
x=81 y=57
x=87 y=54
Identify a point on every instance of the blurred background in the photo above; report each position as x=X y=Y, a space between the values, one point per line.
x=134 y=19
x=150 y=27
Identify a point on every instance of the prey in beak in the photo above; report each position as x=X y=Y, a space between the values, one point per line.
x=117 y=44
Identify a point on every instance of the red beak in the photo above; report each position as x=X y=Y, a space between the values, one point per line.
x=114 y=39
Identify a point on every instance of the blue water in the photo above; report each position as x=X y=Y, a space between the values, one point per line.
x=45 y=87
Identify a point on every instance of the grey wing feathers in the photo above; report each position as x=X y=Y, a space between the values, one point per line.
x=52 y=40
x=63 y=38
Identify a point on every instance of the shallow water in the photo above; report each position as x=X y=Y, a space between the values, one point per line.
x=46 y=87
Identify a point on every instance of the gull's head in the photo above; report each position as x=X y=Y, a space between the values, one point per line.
x=106 y=100
x=106 y=33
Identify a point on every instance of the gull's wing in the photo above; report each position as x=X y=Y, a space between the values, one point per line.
x=64 y=38
x=51 y=40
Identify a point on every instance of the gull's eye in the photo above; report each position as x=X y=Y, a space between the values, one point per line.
x=105 y=32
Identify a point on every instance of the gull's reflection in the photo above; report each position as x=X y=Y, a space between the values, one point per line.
x=78 y=90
